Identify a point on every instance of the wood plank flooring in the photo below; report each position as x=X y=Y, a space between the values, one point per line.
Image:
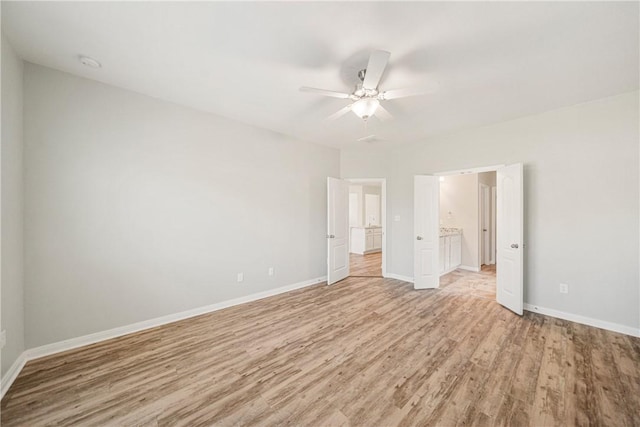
x=369 y=265
x=481 y=284
x=363 y=352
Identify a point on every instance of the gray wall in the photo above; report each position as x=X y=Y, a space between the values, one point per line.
x=137 y=208
x=581 y=200
x=12 y=290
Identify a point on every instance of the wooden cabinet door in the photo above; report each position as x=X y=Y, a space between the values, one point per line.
x=447 y=253
x=377 y=241
x=456 y=251
x=369 y=245
x=442 y=255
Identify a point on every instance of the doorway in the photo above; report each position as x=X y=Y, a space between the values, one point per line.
x=466 y=231
x=365 y=228
x=432 y=253
x=356 y=228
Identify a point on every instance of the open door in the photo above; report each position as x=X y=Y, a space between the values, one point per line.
x=510 y=219
x=426 y=249
x=337 y=230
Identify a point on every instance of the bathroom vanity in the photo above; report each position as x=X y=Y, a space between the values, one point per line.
x=450 y=249
x=365 y=240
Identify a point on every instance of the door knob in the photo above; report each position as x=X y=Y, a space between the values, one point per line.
x=419 y=238
x=514 y=245
x=330 y=236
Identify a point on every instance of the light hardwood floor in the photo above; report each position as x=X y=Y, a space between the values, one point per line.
x=481 y=284
x=369 y=265
x=363 y=352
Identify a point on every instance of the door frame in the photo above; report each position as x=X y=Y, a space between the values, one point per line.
x=494 y=200
x=485 y=220
x=493 y=168
x=468 y=171
x=383 y=213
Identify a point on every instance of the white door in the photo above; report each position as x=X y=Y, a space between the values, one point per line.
x=337 y=230
x=455 y=251
x=509 y=224
x=441 y=254
x=426 y=232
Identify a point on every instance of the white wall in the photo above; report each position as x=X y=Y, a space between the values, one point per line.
x=358 y=208
x=138 y=208
x=459 y=208
x=487 y=178
x=12 y=289
x=581 y=200
x=375 y=190
x=361 y=191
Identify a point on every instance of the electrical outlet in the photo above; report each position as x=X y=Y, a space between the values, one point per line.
x=3 y=338
x=564 y=288
x=271 y=271
x=396 y=218
x=240 y=277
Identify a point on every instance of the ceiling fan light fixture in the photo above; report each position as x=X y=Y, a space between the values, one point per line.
x=365 y=107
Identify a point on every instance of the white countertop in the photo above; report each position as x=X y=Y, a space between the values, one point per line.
x=450 y=231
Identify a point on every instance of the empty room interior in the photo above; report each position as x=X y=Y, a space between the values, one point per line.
x=320 y=213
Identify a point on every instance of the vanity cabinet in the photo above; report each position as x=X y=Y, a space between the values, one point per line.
x=450 y=252
x=365 y=240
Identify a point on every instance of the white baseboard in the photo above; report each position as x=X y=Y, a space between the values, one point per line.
x=466 y=267
x=70 y=344
x=399 y=277
x=11 y=375
x=615 y=327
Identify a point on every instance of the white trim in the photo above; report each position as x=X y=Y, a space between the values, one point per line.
x=399 y=277
x=448 y=271
x=57 y=347
x=484 y=212
x=11 y=375
x=494 y=200
x=615 y=327
x=468 y=268
x=470 y=170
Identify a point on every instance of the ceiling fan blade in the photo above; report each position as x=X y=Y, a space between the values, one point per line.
x=377 y=63
x=404 y=93
x=369 y=138
x=340 y=113
x=382 y=113
x=325 y=92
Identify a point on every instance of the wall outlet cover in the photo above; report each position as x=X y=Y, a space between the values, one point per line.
x=3 y=338
x=564 y=288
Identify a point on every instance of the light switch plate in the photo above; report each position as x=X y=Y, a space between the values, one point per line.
x=240 y=277
x=396 y=218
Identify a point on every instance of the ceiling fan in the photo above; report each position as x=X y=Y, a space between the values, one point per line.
x=367 y=96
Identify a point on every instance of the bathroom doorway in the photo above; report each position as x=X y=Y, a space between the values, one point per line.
x=509 y=236
x=467 y=233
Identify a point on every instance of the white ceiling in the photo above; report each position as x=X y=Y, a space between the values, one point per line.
x=493 y=61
